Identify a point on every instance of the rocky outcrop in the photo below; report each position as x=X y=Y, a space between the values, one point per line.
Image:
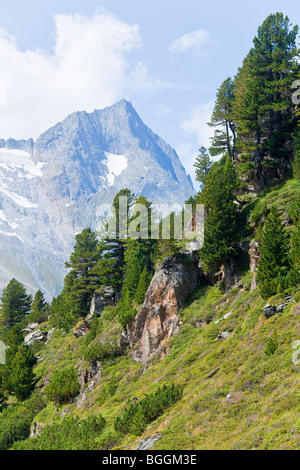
x=254 y=259
x=148 y=443
x=88 y=380
x=101 y=300
x=35 y=335
x=81 y=329
x=36 y=429
x=271 y=310
x=227 y=276
x=157 y=320
x=85 y=376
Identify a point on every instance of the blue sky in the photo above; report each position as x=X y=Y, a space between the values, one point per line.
x=167 y=57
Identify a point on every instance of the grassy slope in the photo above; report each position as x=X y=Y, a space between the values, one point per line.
x=263 y=409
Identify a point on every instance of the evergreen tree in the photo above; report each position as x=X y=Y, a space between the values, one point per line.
x=274 y=264
x=126 y=310
x=202 y=165
x=296 y=162
x=295 y=249
x=263 y=108
x=20 y=380
x=14 y=340
x=15 y=304
x=38 y=308
x=110 y=267
x=143 y=285
x=135 y=263
x=224 y=140
x=39 y=303
x=82 y=280
x=221 y=230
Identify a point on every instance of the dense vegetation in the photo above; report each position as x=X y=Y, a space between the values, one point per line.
x=251 y=193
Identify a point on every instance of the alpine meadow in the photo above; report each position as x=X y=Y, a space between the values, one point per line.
x=129 y=319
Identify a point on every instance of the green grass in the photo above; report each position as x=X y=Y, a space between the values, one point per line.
x=234 y=395
x=263 y=409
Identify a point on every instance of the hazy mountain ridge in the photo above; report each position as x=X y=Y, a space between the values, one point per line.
x=52 y=188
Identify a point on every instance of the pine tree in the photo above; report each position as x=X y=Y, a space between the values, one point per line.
x=82 y=280
x=38 y=308
x=263 y=108
x=126 y=311
x=296 y=162
x=221 y=230
x=202 y=165
x=295 y=249
x=134 y=262
x=274 y=264
x=110 y=267
x=39 y=303
x=15 y=304
x=142 y=288
x=21 y=377
x=224 y=140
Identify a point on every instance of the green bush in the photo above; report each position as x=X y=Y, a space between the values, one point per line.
x=138 y=415
x=100 y=352
x=15 y=421
x=69 y=434
x=63 y=385
x=272 y=345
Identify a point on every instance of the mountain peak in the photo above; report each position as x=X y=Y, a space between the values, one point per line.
x=73 y=168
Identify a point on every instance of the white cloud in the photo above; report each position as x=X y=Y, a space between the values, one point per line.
x=198 y=133
x=89 y=68
x=195 y=123
x=197 y=42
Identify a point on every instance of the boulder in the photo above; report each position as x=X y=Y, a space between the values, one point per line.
x=269 y=311
x=35 y=336
x=31 y=327
x=223 y=336
x=157 y=320
x=280 y=308
x=101 y=300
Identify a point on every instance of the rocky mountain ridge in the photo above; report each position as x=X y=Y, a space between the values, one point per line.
x=53 y=188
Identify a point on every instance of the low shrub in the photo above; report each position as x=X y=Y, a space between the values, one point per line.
x=138 y=415
x=100 y=352
x=63 y=386
x=69 y=434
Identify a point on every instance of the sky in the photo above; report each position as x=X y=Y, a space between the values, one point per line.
x=167 y=57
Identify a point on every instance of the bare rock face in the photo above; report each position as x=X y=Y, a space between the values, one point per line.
x=174 y=281
x=227 y=276
x=148 y=443
x=254 y=259
x=101 y=300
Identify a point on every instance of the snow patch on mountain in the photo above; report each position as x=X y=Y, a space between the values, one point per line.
x=21 y=163
x=19 y=200
x=116 y=164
